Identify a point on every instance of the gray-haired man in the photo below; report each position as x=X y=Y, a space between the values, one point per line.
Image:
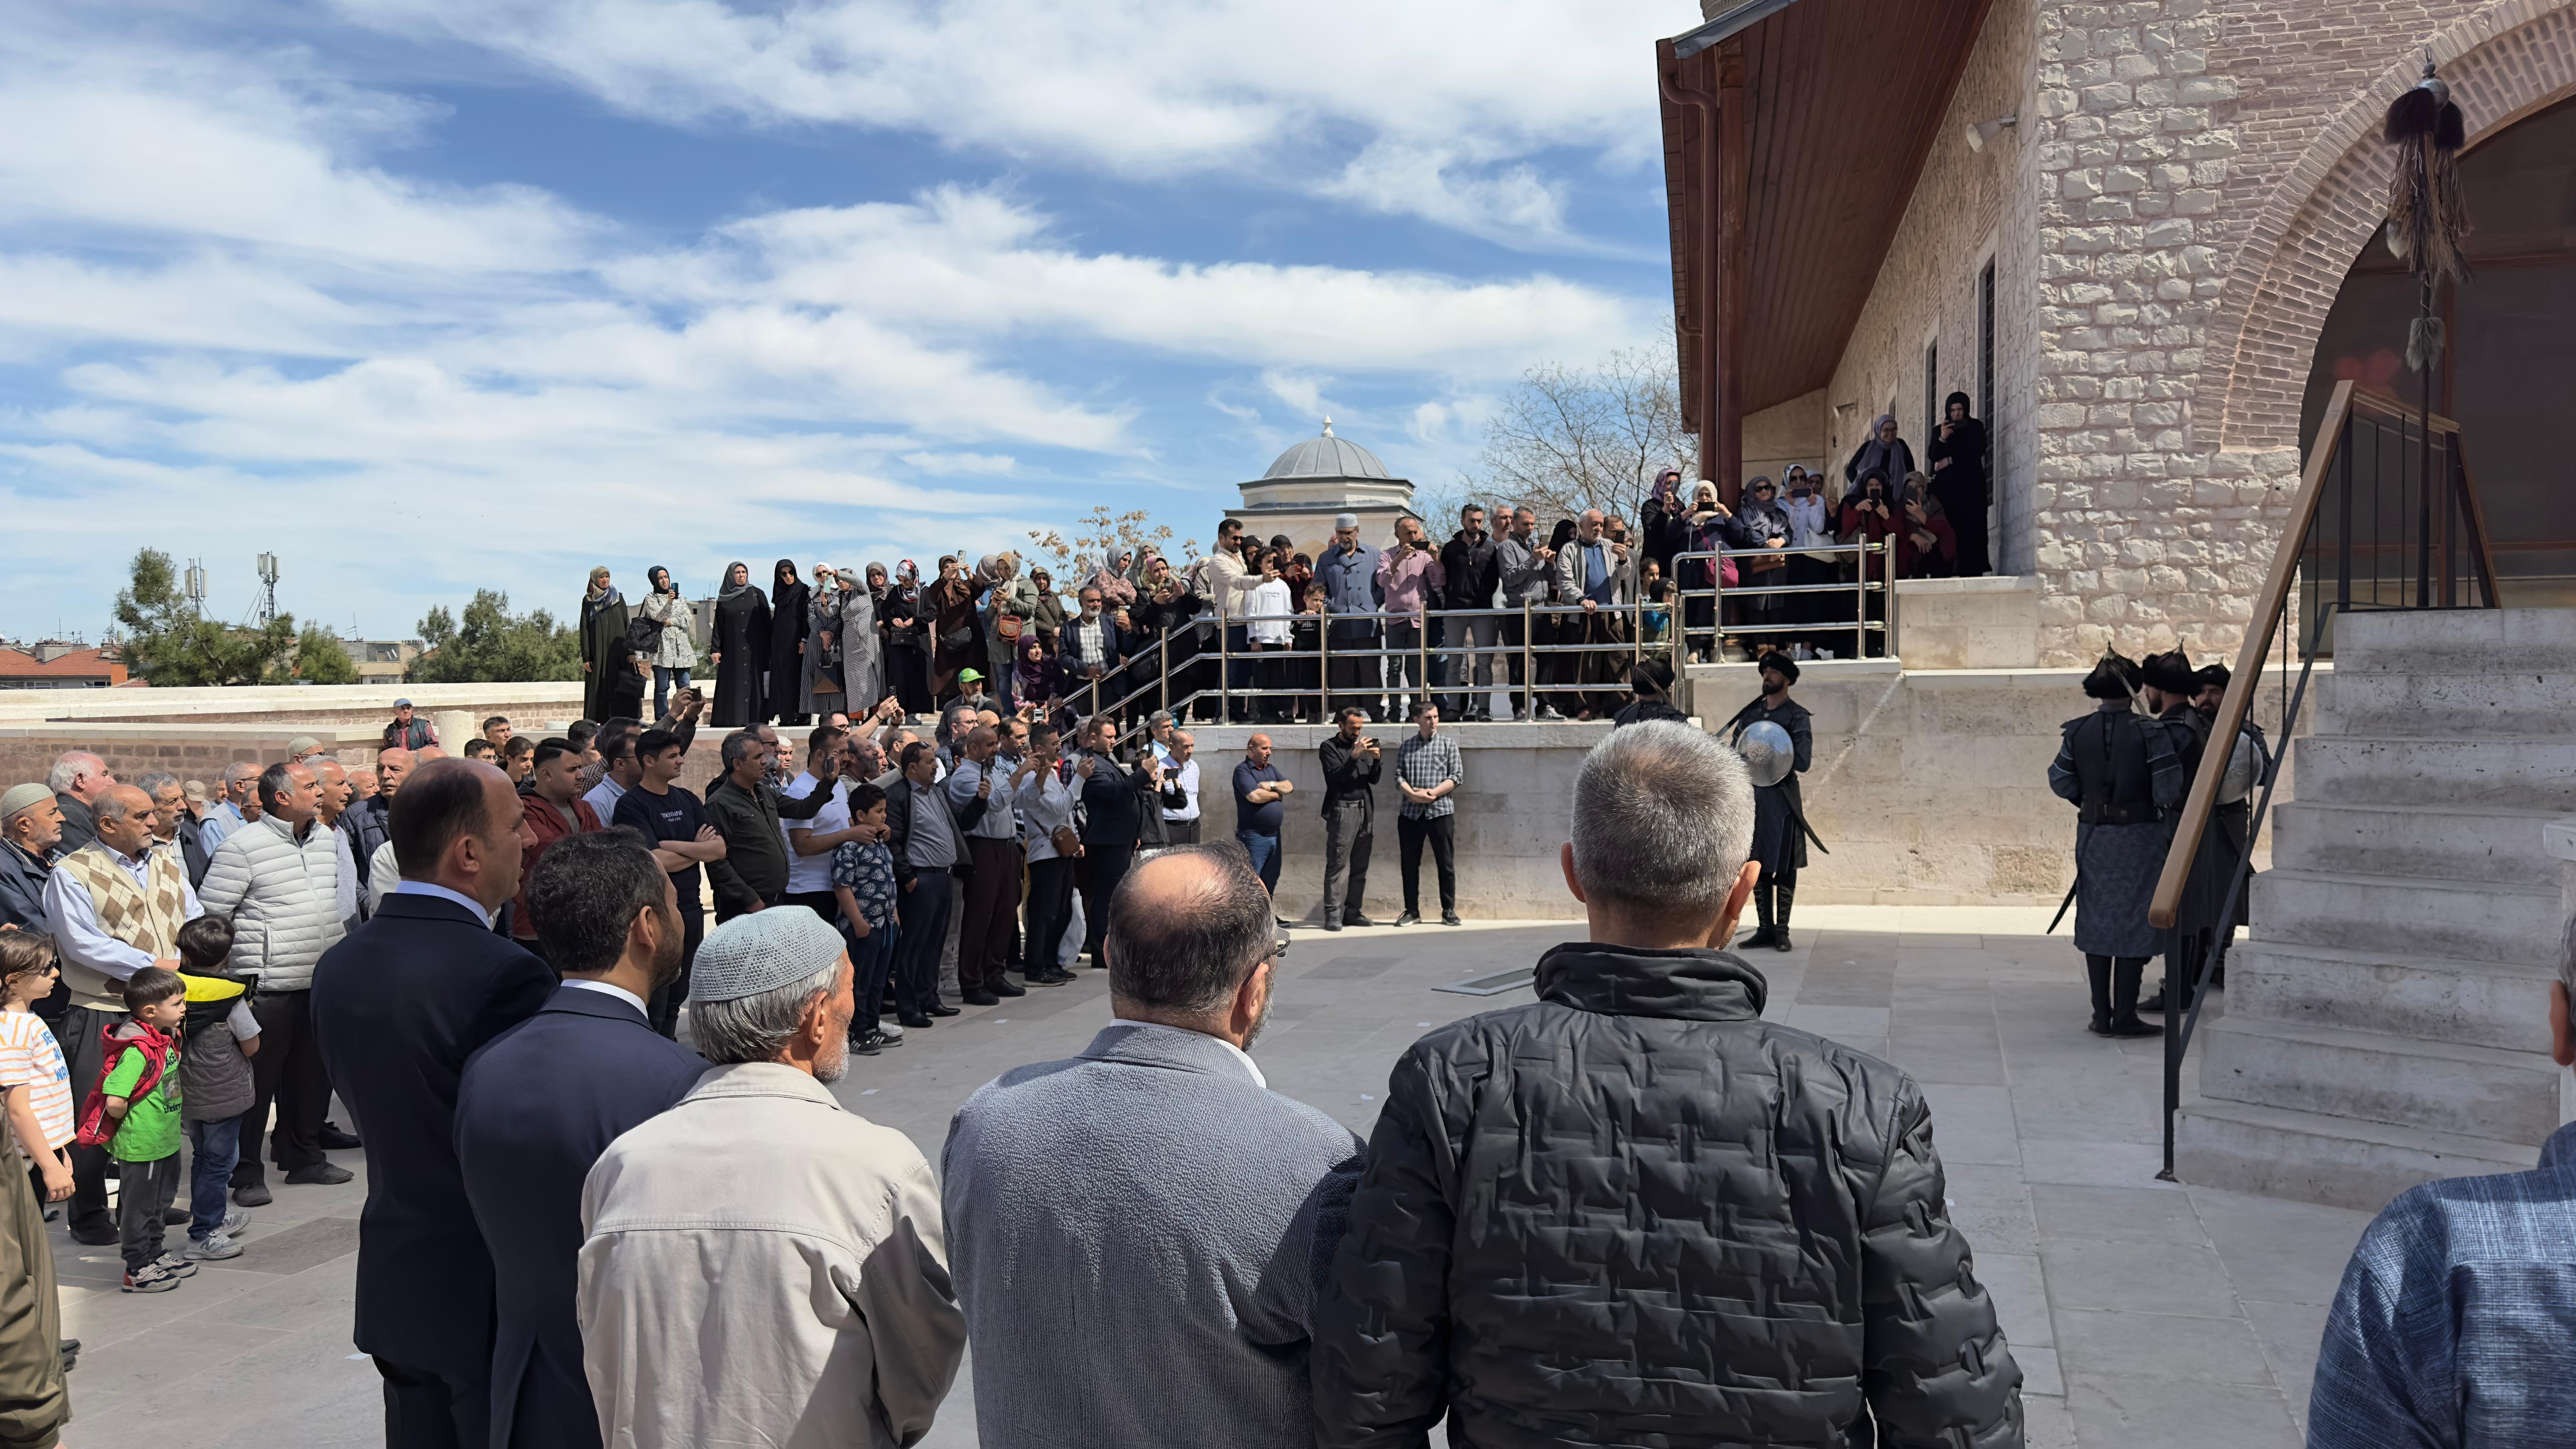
x=1830 y=1286
x=1151 y=1199
x=760 y=1265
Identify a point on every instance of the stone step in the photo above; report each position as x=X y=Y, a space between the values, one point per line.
x=2392 y=990
x=2488 y=845
x=2525 y=700
x=2486 y=921
x=2531 y=772
x=2506 y=1096
x=2309 y=1157
x=2456 y=640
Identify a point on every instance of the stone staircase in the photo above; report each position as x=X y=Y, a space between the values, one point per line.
x=2388 y=1021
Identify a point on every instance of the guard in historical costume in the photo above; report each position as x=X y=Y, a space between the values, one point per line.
x=2168 y=684
x=1780 y=829
x=2120 y=773
x=2249 y=765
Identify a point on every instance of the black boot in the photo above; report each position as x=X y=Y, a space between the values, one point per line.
x=2097 y=975
x=1762 y=933
x=1787 y=893
x=2124 y=993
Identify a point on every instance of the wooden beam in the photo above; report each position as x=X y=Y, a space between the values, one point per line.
x=1722 y=458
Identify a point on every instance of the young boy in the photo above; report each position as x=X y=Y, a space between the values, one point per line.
x=219 y=1040
x=42 y=1115
x=140 y=1088
x=863 y=879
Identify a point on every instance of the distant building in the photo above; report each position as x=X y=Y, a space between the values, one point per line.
x=1313 y=482
x=54 y=664
x=382 y=661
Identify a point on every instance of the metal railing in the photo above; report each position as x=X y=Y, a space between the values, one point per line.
x=1860 y=588
x=1164 y=675
x=2314 y=538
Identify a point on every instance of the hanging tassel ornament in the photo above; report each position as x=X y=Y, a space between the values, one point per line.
x=2428 y=218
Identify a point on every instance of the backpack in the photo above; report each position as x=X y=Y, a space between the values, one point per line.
x=94 y=1129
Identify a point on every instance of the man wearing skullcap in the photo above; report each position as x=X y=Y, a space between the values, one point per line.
x=31 y=837
x=1348 y=572
x=759 y=1265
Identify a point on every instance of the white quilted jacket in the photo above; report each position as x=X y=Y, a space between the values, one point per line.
x=283 y=897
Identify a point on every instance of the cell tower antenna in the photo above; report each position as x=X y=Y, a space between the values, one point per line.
x=195 y=585
x=267 y=587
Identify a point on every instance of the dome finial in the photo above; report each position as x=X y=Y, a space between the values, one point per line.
x=1328 y=425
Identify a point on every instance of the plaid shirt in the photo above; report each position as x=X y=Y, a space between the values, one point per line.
x=2454 y=1324
x=1423 y=764
x=867 y=868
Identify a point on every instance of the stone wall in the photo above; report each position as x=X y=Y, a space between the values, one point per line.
x=1793 y=432
x=1980 y=623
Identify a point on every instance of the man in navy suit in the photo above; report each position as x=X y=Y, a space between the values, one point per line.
x=542 y=1102
x=397 y=1007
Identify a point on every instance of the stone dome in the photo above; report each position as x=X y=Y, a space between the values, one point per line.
x=1327 y=457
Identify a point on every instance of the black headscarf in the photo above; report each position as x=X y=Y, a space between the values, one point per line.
x=1563 y=535
x=665 y=575
x=783 y=583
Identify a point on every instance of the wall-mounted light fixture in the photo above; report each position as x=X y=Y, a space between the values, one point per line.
x=1980 y=132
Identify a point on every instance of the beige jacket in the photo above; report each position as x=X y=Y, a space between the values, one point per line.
x=761 y=1267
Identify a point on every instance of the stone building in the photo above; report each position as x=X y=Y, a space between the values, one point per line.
x=2143 y=237
x=1307 y=486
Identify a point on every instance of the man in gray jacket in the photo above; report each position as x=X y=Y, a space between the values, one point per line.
x=1151 y=1202
x=278 y=877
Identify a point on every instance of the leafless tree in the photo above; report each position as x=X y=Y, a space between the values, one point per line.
x=1572 y=438
x=1100 y=535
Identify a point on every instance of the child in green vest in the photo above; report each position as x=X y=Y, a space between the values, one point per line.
x=142 y=1100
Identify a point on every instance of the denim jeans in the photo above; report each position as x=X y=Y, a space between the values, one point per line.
x=1264 y=850
x=662 y=678
x=871 y=958
x=213 y=1148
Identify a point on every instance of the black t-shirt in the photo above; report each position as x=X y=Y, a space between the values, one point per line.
x=675 y=816
x=1259 y=819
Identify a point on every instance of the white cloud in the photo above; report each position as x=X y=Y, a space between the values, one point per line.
x=1140 y=88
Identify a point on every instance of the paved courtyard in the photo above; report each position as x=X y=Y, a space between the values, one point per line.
x=2142 y=1313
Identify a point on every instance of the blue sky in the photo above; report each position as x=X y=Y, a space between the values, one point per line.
x=431 y=295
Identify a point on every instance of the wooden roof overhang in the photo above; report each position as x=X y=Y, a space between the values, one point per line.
x=1794 y=131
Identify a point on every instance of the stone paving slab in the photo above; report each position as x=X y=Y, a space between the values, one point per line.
x=2143 y=1313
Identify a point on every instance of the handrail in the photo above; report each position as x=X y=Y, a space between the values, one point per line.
x=2241 y=683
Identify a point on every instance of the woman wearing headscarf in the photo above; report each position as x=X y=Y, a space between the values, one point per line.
x=1882 y=450
x=1666 y=523
x=862 y=641
x=1811 y=525
x=907 y=643
x=675 y=649
x=1117 y=589
x=1550 y=627
x=1764 y=524
x=789 y=601
x=603 y=642
x=1035 y=678
x=1869 y=517
x=1050 y=607
x=1926 y=546
x=1009 y=602
x=956 y=635
x=1958 y=457
x=1709 y=526
x=741 y=649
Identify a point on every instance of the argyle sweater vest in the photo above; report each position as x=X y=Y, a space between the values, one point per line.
x=144 y=917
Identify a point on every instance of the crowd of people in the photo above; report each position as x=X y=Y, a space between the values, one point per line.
x=1504 y=614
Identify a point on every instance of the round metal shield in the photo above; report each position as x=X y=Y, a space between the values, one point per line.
x=1767 y=752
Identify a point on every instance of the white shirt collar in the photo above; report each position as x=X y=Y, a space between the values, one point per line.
x=620 y=992
x=424 y=888
x=1239 y=1054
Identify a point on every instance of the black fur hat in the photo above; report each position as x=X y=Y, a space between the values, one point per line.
x=2169 y=672
x=1787 y=666
x=2115 y=677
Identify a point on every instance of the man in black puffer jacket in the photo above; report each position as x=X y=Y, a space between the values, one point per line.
x=1635 y=1213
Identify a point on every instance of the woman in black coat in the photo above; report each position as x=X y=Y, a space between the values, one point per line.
x=741 y=652
x=1958 y=457
x=789 y=601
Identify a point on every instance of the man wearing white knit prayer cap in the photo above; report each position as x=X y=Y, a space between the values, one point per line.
x=760 y=1266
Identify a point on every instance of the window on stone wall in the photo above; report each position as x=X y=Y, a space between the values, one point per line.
x=1986 y=368
x=1931 y=391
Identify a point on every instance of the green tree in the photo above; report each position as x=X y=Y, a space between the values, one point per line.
x=493 y=645
x=319 y=659
x=168 y=642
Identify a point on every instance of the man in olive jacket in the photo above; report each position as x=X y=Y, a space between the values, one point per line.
x=1633 y=1212
x=745 y=809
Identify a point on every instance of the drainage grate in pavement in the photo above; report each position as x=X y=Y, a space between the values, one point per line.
x=1494 y=985
x=1351 y=968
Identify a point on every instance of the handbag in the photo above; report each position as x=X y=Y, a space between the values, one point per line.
x=643 y=636
x=1008 y=626
x=1767 y=563
x=957 y=638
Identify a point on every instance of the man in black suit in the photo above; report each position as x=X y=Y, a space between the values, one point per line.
x=397 y=1008
x=540 y=1104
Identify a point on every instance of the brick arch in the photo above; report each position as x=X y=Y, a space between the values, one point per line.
x=2503 y=64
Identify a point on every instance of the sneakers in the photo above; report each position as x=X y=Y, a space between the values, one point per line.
x=892 y=1031
x=863 y=1042
x=153 y=1279
x=320 y=1174
x=1450 y=918
x=175 y=1266
x=212 y=1248
x=234 y=1221
x=1408 y=919
x=1548 y=712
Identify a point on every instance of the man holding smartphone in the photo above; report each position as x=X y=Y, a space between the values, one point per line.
x=1351 y=762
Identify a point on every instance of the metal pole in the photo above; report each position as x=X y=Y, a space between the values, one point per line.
x=1224 y=673
x=2424 y=469
x=1860 y=598
x=1324 y=661
x=1529 y=666
x=1422 y=641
